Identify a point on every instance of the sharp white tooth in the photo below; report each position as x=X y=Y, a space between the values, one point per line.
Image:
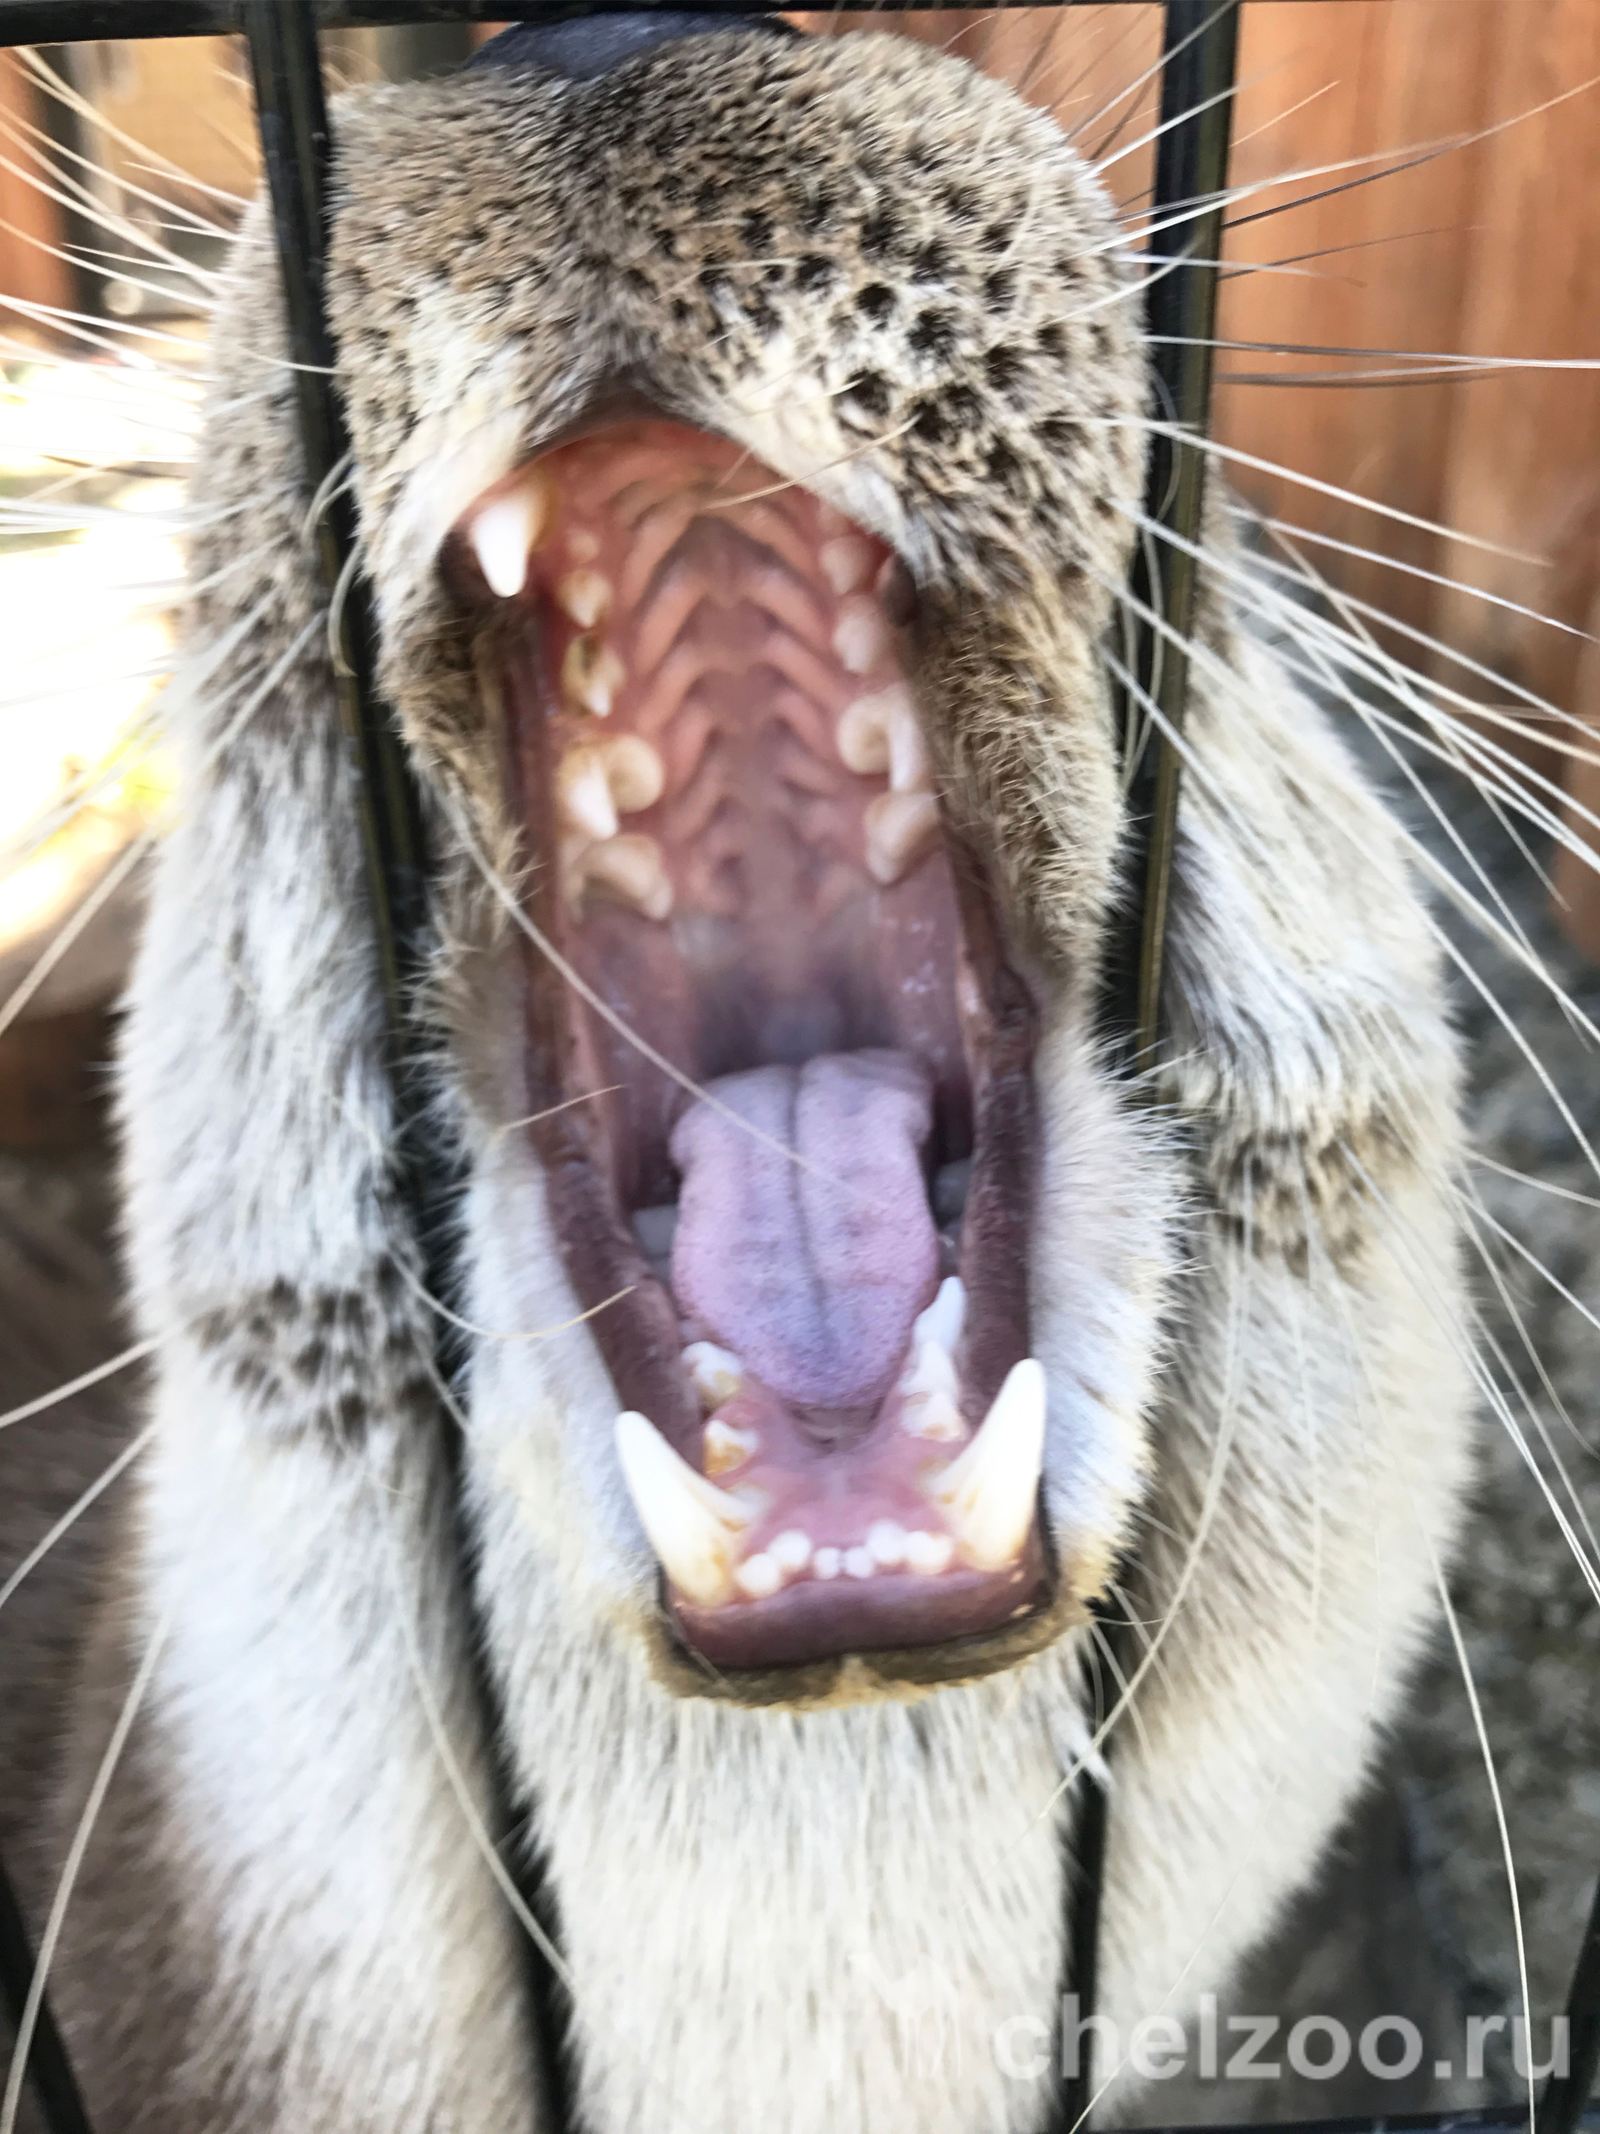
x=929 y=1554
x=944 y=1318
x=860 y=636
x=858 y=1562
x=791 y=1550
x=846 y=562
x=716 y=1374
x=825 y=1564
x=886 y=1544
x=503 y=532
x=882 y=732
x=636 y=773
x=726 y=1447
x=691 y=1524
x=758 y=1577
x=631 y=868
x=584 y=596
x=990 y=1490
x=591 y=676
x=900 y=827
x=585 y=792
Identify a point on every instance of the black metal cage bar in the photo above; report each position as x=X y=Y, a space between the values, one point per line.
x=1199 y=62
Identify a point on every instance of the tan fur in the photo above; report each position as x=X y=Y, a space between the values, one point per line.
x=1246 y=1299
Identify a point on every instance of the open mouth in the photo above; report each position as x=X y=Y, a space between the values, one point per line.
x=779 y=1062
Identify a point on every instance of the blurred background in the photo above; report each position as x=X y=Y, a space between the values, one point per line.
x=1410 y=314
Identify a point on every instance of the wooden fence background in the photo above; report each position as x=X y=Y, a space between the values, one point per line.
x=1490 y=250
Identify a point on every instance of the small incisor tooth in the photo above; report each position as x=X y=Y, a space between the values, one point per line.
x=690 y=1523
x=591 y=676
x=631 y=869
x=504 y=531
x=989 y=1492
x=585 y=596
x=899 y=829
x=758 y=1577
x=826 y=1562
x=791 y=1550
x=882 y=732
x=886 y=1544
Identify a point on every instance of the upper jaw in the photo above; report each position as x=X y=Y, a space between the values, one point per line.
x=898 y=1538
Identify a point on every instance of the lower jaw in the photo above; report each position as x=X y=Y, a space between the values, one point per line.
x=604 y=1151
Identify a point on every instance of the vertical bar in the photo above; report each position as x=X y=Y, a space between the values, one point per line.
x=296 y=148
x=1561 y=2107
x=53 y=2085
x=1199 y=72
x=1200 y=49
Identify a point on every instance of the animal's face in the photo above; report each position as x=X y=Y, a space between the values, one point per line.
x=747 y=444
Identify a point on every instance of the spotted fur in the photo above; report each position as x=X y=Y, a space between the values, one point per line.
x=894 y=282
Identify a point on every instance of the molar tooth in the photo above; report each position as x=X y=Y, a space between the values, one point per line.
x=591 y=676
x=585 y=597
x=585 y=792
x=886 y=1544
x=929 y=1554
x=726 y=1447
x=882 y=732
x=631 y=868
x=690 y=1523
x=503 y=531
x=900 y=827
x=989 y=1492
x=790 y=1550
x=944 y=1318
x=715 y=1373
x=860 y=636
x=846 y=562
x=759 y=1577
x=635 y=772
x=825 y=1564
x=859 y=1562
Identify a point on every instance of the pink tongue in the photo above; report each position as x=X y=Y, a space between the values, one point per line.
x=811 y=1271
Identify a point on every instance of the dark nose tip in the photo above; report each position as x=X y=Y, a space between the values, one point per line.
x=587 y=46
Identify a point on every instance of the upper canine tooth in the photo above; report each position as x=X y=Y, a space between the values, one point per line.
x=899 y=829
x=591 y=676
x=631 y=867
x=585 y=792
x=860 y=636
x=882 y=732
x=715 y=1373
x=636 y=773
x=691 y=1524
x=584 y=596
x=504 y=530
x=989 y=1492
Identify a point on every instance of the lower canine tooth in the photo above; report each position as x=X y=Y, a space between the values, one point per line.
x=900 y=828
x=758 y=1577
x=691 y=1524
x=632 y=869
x=990 y=1491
